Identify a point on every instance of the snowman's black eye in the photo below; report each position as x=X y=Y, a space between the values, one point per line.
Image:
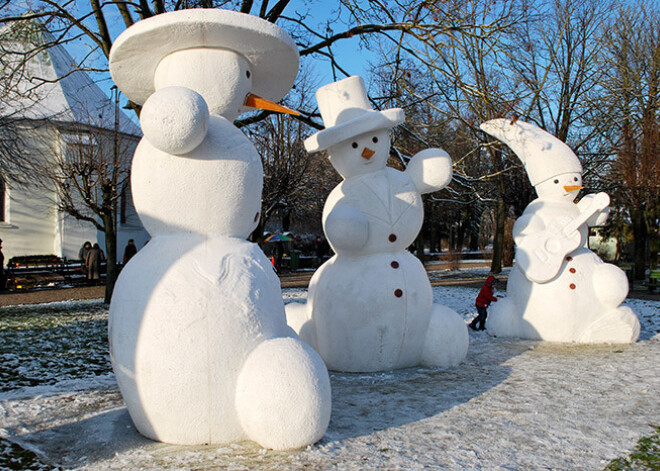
x=247 y=73
x=354 y=145
x=556 y=181
x=375 y=140
x=575 y=179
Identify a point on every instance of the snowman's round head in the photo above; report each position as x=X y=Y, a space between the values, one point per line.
x=152 y=43
x=221 y=76
x=362 y=154
x=564 y=187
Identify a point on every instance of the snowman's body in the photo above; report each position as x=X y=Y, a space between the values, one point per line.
x=177 y=352
x=580 y=304
x=198 y=335
x=370 y=309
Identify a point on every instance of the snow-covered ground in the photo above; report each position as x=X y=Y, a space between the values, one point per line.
x=510 y=405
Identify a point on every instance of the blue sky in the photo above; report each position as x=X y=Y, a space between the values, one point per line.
x=354 y=59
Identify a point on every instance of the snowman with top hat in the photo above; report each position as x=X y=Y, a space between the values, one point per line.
x=198 y=335
x=558 y=289
x=370 y=307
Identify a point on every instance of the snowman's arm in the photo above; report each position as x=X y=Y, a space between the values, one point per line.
x=175 y=120
x=346 y=228
x=525 y=225
x=430 y=170
x=598 y=219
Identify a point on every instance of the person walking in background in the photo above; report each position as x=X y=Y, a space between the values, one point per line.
x=484 y=298
x=319 y=249
x=94 y=258
x=129 y=251
x=82 y=255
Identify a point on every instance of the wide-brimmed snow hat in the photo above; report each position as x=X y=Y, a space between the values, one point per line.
x=346 y=113
x=272 y=53
x=543 y=155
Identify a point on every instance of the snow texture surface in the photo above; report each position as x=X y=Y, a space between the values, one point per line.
x=510 y=404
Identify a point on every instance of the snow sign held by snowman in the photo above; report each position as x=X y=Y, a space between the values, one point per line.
x=370 y=307
x=558 y=290
x=198 y=335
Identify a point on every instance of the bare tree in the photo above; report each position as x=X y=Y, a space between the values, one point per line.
x=630 y=104
x=86 y=172
x=467 y=88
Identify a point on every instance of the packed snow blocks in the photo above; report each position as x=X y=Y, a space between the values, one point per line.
x=198 y=335
x=558 y=289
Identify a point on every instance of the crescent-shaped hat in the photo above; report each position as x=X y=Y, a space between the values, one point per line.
x=543 y=155
x=346 y=113
x=269 y=49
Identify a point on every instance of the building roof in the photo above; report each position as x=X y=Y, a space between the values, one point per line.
x=42 y=81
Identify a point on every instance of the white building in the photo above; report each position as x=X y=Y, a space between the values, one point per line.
x=66 y=115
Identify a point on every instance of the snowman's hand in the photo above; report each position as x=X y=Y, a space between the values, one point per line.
x=430 y=170
x=175 y=120
x=347 y=229
x=600 y=218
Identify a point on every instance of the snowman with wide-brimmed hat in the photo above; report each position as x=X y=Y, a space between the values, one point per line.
x=370 y=307
x=198 y=335
x=558 y=289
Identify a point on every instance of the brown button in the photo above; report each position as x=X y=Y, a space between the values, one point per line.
x=256 y=217
x=398 y=293
x=572 y=286
x=392 y=237
x=394 y=264
x=572 y=270
x=570 y=259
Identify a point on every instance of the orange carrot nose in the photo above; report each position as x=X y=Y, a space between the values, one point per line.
x=368 y=153
x=570 y=188
x=254 y=101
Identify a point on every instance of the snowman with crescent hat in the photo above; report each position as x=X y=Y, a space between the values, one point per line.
x=558 y=290
x=370 y=307
x=198 y=335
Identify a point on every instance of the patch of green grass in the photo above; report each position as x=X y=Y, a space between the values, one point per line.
x=48 y=344
x=15 y=457
x=645 y=457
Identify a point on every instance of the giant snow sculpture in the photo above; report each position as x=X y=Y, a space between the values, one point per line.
x=370 y=307
x=198 y=335
x=558 y=290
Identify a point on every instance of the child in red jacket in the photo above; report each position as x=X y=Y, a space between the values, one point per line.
x=484 y=299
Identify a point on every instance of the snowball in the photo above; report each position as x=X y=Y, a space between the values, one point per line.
x=283 y=395
x=175 y=120
x=447 y=338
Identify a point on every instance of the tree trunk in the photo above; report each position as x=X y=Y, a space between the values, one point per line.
x=111 y=256
x=419 y=247
x=460 y=235
x=640 y=238
x=509 y=250
x=654 y=248
x=286 y=220
x=257 y=235
x=498 y=239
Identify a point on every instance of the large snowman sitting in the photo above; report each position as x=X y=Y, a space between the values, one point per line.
x=198 y=336
x=558 y=290
x=370 y=307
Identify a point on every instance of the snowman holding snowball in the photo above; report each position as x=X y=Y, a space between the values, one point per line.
x=370 y=307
